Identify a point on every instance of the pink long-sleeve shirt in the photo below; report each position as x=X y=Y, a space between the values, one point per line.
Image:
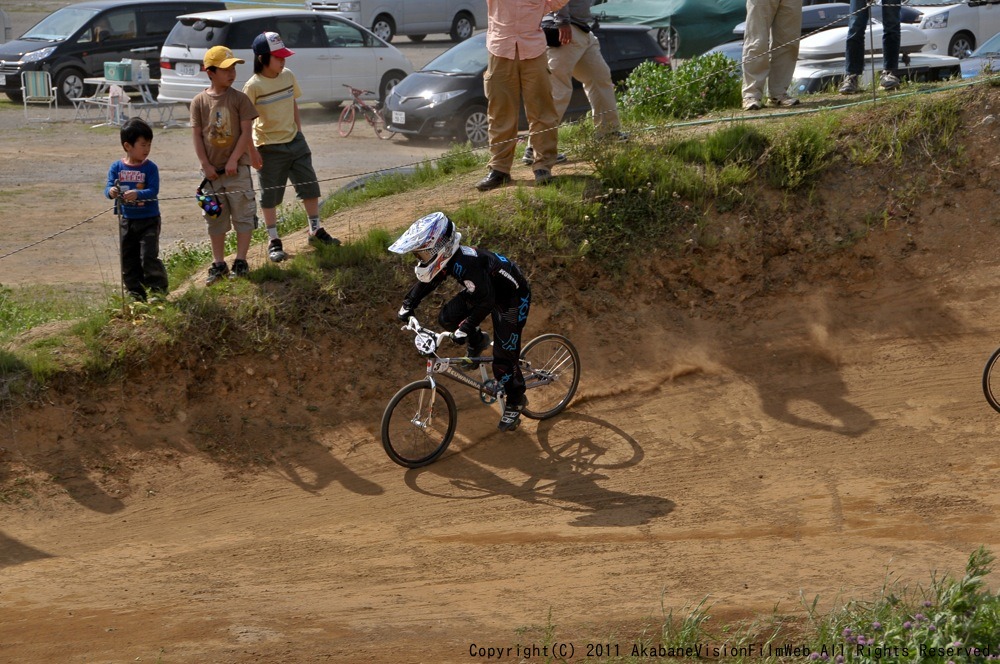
x=514 y=27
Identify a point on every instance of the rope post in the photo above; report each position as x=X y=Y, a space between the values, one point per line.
x=121 y=256
x=871 y=46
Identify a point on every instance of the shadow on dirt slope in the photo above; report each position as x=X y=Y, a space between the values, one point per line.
x=787 y=411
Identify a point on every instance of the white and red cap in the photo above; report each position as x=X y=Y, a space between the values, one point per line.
x=270 y=43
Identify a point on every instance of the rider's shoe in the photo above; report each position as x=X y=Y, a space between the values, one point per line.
x=476 y=350
x=511 y=417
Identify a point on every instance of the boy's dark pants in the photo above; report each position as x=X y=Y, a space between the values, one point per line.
x=141 y=264
x=508 y=325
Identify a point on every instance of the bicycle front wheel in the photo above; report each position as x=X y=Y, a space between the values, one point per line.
x=418 y=424
x=991 y=380
x=551 y=368
x=346 y=120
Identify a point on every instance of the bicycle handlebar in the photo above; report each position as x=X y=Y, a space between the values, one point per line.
x=427 y=341
x=357 y=92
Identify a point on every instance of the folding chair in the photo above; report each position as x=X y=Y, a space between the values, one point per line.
x=36 y=88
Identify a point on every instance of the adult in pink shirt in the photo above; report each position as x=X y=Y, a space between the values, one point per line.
x=518 y=68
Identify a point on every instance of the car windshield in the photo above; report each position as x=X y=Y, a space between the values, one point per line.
x=60 y=25
x=468 y=57
x=990 y=47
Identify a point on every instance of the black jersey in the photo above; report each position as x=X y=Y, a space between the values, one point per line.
x=489 y=280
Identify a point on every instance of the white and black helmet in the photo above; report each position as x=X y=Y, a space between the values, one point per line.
x=433 y=240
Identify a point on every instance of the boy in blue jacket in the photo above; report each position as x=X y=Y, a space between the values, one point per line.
x=134 y=184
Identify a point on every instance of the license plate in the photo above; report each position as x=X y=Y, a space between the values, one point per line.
x=188 y=69
x=398 y=118
x=3 y=80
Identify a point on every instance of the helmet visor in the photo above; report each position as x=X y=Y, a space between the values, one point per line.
x=424 y=255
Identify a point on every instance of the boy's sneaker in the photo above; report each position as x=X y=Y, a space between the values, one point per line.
x=751 y=104
x=529 y=156
x=889 y=81
x=215 y=272
x=322 y=237
x=240 y=268
x=511 y=417
x=850 y=85
x=275 y=251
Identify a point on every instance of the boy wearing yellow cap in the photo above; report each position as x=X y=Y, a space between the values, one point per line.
x=222 y=125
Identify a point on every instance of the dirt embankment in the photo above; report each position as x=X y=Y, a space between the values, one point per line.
x=749 y=427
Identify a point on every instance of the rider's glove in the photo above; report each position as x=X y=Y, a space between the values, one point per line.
x=404 y=314
x=460 y=337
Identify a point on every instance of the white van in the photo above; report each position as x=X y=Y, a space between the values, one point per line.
x=414 y=18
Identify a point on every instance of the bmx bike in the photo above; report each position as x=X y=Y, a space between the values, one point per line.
x=419 y=421
x=356 y=106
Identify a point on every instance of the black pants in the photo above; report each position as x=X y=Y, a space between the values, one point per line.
x=141 y=264
x=508 y=323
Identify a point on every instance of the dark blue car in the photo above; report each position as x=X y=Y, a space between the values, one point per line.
x=446 y=97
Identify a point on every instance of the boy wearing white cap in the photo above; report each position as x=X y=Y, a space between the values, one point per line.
x=280 y=151
x=221 y=121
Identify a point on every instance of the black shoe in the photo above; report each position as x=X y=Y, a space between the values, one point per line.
x=322 y=237
x=529 y=156
x=493 y=180
x=543 y=176
x=215 y=272
x=240 y=269
x=476 y=350
x=275 y=251
x=511 y=417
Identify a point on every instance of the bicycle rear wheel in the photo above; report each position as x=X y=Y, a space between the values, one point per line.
x=346 y=123
x=551 y=368
x=418 y=424
x=378 y=124
x=991 y=380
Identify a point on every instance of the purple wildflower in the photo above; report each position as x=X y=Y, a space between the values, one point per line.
x=876 y=625
x=907 y=625
x=814 y=656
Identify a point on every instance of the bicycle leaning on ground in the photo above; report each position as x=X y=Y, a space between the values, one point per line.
x=368 y=112
x=419 y=422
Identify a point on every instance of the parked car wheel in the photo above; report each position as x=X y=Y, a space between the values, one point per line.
x=961 y=45
x=474 y=126
x=417 y=38
x=69 y=85
x=462 y=27
x=390 y=80
x=669 y=40
x=15 y=96
x=384 y=28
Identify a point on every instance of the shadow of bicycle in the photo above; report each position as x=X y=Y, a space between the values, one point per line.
x=566 y=472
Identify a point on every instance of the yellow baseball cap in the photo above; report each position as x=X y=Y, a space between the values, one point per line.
x=220 y=56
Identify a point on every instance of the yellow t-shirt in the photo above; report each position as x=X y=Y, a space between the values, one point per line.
x=275 y=102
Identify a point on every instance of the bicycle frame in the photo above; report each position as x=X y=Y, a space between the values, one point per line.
x=427 y=342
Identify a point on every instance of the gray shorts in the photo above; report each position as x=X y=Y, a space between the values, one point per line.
x=239 y=206
x=283 y=162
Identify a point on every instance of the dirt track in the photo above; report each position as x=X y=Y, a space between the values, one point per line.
x=805 y=442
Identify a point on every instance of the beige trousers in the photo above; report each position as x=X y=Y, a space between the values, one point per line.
x=581 y=59
x=507 y=82
x=770 y=24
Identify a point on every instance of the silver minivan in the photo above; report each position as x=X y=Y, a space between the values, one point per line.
x=414 y=18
